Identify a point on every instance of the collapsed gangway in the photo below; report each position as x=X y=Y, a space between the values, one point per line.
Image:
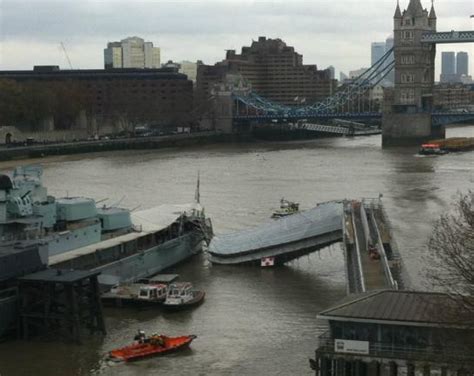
x=370 y=254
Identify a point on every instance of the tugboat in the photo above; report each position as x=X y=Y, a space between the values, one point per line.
x=431 y=149
x=182 y=296
x=286 y=208
x=148 y=346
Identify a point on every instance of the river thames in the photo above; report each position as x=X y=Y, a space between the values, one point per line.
x=254 y=321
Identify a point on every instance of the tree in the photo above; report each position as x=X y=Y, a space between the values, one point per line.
x=451 y=246
x=28 y=104
x=10 y=102
x=69 y=100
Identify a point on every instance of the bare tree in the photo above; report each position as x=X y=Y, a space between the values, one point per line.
x=451 y=264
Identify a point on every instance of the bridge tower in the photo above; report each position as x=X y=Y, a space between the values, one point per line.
x=408 y=106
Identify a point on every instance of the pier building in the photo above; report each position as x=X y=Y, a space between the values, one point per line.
x=391 y=333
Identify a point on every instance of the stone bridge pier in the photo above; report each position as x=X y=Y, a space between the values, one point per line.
x=408 y=106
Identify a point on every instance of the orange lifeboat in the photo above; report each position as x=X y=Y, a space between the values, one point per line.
x=153 y=345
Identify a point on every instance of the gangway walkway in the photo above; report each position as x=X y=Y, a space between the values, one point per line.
x=371 y=257
x=372 y=269
x=344 y=130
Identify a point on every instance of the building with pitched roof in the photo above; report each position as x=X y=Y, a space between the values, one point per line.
x=388 y=332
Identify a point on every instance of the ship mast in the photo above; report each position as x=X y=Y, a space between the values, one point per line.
x=197 y=195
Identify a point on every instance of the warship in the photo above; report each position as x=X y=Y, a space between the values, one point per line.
x=38 y=231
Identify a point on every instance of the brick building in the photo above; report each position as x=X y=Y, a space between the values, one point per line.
x=453 y=96
x=274 y=70
x=159 y=96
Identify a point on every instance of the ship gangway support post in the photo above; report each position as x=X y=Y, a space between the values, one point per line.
x=60 y=302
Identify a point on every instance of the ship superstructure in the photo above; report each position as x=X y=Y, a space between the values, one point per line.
x=28 y=212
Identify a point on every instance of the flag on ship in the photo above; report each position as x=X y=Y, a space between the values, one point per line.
x=267 y=261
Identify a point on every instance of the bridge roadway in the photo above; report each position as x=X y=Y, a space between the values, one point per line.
x=438 y=118
x=340 y=129
x=361 y=225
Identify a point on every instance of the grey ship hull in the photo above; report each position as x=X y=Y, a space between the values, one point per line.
x=135 y=266
x=151 y=261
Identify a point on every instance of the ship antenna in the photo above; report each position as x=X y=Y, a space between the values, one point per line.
x=197 y=195
x=118 y=202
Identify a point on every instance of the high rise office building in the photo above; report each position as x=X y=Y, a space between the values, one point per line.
x=447 y=63
x=131 y=52
x=448 y=67
x=390 y=78
x=454 y=67
x=332 y=72
x=377 y=51
x=462 y=64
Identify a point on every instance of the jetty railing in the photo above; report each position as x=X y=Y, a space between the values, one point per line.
x=449 y=352
x=357 y=249
x=383 y=255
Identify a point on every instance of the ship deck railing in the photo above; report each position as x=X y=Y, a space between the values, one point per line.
x=436 y=353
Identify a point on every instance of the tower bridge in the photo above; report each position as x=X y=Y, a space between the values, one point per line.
x=408 y=114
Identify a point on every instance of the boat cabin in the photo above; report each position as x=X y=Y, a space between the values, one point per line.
x=152 y=292
x=393 y=332
x=286 y=208
x=431 y=149
x=180 y=292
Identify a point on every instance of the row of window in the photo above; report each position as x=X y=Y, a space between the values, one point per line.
x=143 y=84
x=407 y=78
x=407 y=96
x=408 y=35
x=408 y=59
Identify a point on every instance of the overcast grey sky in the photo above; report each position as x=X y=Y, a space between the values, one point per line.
x=337 y=32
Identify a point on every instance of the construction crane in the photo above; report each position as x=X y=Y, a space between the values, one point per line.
x=67 y=56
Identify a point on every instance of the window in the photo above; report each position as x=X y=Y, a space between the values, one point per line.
x=408 y=59
x=407 y=96
x=408 y=78
x=407 y=35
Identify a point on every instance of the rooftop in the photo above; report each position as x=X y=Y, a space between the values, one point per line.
x=119 y=73
x=59 y=275
x=416 y=308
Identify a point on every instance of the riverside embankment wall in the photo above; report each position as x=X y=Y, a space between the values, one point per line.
x=78 y=147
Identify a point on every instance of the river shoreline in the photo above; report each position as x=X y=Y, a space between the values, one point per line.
x=137 y=143
x=39 y=150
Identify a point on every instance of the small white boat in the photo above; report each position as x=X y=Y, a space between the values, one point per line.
x=182 y=295
x=136 y=293
x=286 y=208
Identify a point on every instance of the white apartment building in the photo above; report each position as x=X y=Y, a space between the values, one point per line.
x=189 y=69
x=132 y=52
x=356 y=73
